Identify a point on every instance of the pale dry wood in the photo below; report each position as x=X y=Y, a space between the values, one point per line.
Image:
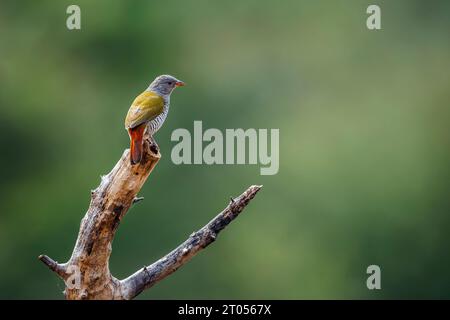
x=109 y=204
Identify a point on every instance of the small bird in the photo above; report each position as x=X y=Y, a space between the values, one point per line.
x=149 y=110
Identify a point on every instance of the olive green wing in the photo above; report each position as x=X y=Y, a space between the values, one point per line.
x=146 y=107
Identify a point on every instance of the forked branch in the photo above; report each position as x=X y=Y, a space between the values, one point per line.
x=87 y=274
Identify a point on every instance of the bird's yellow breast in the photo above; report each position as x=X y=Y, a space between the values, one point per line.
x=146 y=107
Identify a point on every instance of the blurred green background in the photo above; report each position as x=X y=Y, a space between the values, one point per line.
x=364 y=143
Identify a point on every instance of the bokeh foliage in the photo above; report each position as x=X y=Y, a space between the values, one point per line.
x=364 y=142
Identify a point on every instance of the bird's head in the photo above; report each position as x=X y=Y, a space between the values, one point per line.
x=165 y=84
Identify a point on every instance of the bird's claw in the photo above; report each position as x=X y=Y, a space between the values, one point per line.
x=154 y=148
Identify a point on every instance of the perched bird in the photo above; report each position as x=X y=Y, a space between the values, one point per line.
x=149 y=110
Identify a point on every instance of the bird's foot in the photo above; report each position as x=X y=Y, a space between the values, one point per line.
x=154 y=146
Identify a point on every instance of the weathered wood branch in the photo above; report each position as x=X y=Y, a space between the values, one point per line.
x=87 y=274
x=148 y=276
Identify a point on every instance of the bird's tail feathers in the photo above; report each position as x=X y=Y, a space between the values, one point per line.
x=136 y=146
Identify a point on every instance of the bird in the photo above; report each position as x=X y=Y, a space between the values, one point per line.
x=149 y=111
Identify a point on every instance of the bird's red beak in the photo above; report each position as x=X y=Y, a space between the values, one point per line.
x=179 y=84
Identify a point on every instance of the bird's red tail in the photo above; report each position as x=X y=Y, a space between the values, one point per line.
x=136 y=137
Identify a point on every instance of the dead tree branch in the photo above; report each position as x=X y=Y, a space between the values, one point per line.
x=148 y=276
x=87 y=274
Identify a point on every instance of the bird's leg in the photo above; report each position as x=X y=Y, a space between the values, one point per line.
x=153 y=145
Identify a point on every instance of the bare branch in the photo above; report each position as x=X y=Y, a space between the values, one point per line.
x=149 y=276
x=89 y=263
x=137 y=199
x=53 y=265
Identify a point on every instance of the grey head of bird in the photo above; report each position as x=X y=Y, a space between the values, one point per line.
x=165 y=84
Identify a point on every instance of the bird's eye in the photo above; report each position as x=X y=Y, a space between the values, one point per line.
x=170 y=83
